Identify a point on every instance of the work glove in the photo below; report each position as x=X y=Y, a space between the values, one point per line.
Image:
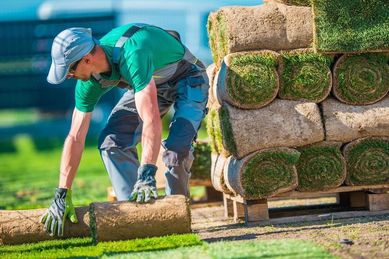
x=60 y=209
x=145 y=187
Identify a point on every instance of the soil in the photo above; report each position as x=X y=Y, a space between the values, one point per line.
x=369 y=235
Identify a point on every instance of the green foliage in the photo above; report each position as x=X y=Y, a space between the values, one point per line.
x=84 y=247
x=283 y=248
x=351 y=25
x=268 y=171
x=305 y=76
x=362 y=79
x=368 y=162
x=252 y=78
x=201 y=167
x=320 y=168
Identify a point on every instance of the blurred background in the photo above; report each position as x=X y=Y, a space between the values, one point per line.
x=35 y=116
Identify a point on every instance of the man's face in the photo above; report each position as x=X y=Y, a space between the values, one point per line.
x=81 y=69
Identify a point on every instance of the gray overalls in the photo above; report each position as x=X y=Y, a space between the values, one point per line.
x=184 y=84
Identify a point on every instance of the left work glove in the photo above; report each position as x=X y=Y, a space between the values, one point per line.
x=145 y=187
x=61 y=208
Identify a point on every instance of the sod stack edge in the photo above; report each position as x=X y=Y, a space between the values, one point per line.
x=129 y=220
x=367 y=161
x=217 y=174
x=351 y=26
x=321 y=167
x=345 y=123
x=248 y=80
x=361 y=79
x=291 y=2
x=281 y=123
x=23 y=226
x=270 y=26
x=305 y=75
x=262 y=174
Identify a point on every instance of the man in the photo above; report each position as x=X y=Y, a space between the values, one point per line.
x=159 y=72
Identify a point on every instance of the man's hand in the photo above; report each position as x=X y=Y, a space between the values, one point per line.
x=145 y=187
x=61 y=208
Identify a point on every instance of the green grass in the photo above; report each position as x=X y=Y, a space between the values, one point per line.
x=305 y=76
x=268 y=171
x=320 y=167
x=351 y=25
x=84 y=247
x=367 y=161
x=286 y=249
x=252 y=79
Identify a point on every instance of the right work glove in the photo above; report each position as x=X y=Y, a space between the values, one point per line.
x=145 y=187
x=61 y=208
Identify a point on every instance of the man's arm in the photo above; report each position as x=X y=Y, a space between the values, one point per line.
x=147 y=105
x=73 y=148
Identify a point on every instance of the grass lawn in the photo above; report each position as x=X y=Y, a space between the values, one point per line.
x=176 y=246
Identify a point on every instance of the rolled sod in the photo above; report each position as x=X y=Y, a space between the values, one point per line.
x=217 y=175
x=345 y=123
x=281 y=123
x=367 y=161
x=291 y=2
x=23 y=226
x=214 y=131
x=305 y=76
x=129 y=220
x=351 y=25
x=211 y=72
x=263 y=174
x=248 y=80
x=271 y=26
x=321 y=167
x=361 y=79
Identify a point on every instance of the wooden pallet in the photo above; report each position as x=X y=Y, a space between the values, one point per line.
x=351 y=201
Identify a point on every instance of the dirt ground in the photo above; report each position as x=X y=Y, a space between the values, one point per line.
x=369 y=235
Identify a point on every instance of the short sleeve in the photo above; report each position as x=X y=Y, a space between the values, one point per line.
x=138 y=68
x=87 y=95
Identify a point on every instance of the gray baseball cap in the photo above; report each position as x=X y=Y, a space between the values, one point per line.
x=68 y=47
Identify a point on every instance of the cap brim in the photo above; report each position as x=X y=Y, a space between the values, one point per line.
x=57 y=73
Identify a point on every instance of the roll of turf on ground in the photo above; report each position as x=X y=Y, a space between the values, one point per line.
x=361 y=79
x=305 y=76
x=129 y=220
x=217 y=175
x=367 y=161
x=345 y=123
x=281 y=123
x=248 y=80
x=351 y=25
x=321 y=167
x=23 y=226
x=271 y=26
x=291 y=2
x=263 y=174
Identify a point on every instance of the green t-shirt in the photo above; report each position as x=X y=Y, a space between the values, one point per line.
x=148 y=50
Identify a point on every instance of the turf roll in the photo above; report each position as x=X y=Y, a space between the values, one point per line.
x=23 y=226
x=321 y=167
x=214 y=131
x=263 y=174
x=345 y=123
x=128 y=220
x=351 y=25
x=212 y=75
x=271 y=26
x=248 y=80
x=281 y=123
x=217 y=174
x=361 y=79
x=291 y=2
x=305 y=75
x=367 y=161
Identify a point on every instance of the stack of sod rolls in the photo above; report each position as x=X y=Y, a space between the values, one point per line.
x=293 y=107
